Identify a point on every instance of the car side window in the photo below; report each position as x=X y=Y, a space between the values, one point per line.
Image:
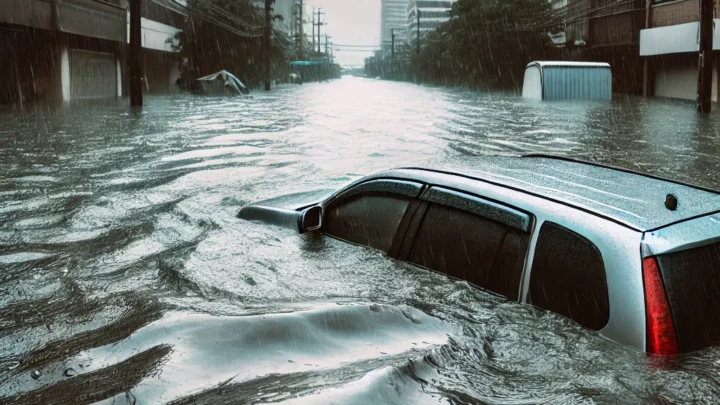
x=568 y=277
x=367 y=218
x=467 y=246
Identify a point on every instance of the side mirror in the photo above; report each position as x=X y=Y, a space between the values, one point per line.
x=311 y=219
x=307 y=220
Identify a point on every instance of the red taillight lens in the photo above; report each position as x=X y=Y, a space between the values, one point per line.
x=661 y=337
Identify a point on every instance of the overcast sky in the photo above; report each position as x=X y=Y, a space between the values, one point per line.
x=350 y=22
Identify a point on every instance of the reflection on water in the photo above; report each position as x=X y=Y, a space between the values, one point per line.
x=125 y=276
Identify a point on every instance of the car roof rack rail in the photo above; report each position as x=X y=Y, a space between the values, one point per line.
x=620 y=169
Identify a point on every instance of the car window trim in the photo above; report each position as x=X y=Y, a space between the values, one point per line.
x=398 y=187
x=479 y=206
x=405 y=227
x=412 y=229
x=405 y=188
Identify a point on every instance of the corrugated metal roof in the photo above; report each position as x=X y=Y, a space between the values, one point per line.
x=630 y=198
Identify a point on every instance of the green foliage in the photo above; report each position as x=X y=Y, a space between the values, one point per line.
x=227 y=34
x=488 y=42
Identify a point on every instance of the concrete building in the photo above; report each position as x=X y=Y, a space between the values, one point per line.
x=432 y=13
x=292 y=19
x=62 y=50
x=393 y=19
x=289 y=11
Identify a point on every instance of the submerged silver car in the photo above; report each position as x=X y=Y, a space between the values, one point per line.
x=631 y=256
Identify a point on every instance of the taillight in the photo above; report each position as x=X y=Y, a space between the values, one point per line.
x=661 y=337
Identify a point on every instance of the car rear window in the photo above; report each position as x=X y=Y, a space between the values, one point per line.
x=568 y=277
x=692 y=285
x=469 y=247
x=368 y=219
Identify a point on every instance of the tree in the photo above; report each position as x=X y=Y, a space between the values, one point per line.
x=227 y=34
x=488 y=42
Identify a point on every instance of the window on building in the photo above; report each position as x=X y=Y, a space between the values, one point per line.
x=568 y=277
x=434 y=14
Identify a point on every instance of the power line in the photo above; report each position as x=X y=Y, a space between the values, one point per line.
x=227 y=27
x=228 y=14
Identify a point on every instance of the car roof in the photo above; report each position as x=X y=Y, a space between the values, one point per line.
x=567 y=63
x=626 y=197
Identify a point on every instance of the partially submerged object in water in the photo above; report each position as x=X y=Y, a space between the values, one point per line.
x=221 y=82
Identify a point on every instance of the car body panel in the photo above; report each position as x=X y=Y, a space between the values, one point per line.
x=635 y=200
x=296 y=201
x=623 y=214
x=681 y=236
x=619 y=245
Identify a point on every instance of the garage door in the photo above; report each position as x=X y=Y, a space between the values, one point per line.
x=92 y=75
x=676 y=81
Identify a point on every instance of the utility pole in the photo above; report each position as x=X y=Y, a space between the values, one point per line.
x=392 y=50
x=266 y=40
x=326 y=45
x=646 y=68
x=417 y=10
x=54 y=16
x=392 y=54
x=302 y=35
x=313 y=32
x=319 y=24
x=136 y=56
x=705 y=63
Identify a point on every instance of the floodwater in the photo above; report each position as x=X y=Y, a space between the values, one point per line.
x=125 y=276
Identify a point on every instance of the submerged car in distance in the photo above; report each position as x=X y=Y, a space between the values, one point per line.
x=631 y=256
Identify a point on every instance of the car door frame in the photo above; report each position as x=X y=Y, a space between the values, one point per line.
x=464 y=201
x=392 y=185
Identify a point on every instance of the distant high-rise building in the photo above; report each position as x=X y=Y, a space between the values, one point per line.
x=290 y=22
x=432 y=14
x=394 y=17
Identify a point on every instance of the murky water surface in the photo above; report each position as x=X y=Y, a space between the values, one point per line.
x=126 y=278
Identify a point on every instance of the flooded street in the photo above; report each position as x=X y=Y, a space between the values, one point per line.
x=125 y=276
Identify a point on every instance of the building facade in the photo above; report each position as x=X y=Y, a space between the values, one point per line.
x=393 y=18
x=63 y=50
x=431 y=12
x=652 y=45
x=296 y=23
x=670 y=45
